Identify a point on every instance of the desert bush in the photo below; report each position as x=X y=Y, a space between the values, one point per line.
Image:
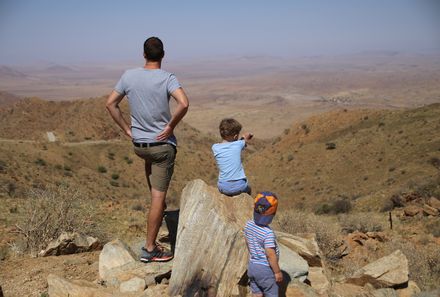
x=341 y=205
x=114 y=183
x=326 y=229
x=3 y=166
x=330 y=145
x=111 y=156
x=434 y=228
x=363 y=222
x=435 y=162
x=102 y=169
x=115 y=176
x=40 y=162
x=50 y=212
x=138 y=207
x=128 y=160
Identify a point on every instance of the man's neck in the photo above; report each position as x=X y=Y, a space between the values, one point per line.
x=152 y=64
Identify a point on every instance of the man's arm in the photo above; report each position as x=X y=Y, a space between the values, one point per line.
x=182 y=107
x=112 y=106
x=273 y=262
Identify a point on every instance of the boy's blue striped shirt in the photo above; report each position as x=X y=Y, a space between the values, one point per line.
x=259 y=238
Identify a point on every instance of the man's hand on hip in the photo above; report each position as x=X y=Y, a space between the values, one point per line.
x=165 y=134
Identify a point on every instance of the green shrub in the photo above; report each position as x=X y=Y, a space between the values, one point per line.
x=102 y=169
x=115 y=176
x=40 y=162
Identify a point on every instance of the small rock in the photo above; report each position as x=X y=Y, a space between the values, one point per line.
x=135 y=284
x=434 y=202
x=379 y=236
x=358 y=237
x=318 y=280
x=71 y=243
x=430 y=211
x=346 y=290
x=411 y=290
x=298 y=289
x=412 y=210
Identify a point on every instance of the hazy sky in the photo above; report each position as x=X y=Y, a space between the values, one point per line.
x=72 y=31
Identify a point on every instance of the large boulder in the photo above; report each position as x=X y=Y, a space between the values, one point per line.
x=118 y=265
x=410 y=290
x=389 y=271
x=211 y=254
x=71 y=243
x=318 y=280
x=114 y=254
x=304 y=244
x=292 y=265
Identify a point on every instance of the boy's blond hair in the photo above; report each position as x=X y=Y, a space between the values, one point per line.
x=229 y=127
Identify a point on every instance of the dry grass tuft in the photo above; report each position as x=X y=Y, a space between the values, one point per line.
x=328 y=231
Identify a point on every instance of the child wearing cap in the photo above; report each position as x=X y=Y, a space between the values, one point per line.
x=263 y=269
x=232 y=179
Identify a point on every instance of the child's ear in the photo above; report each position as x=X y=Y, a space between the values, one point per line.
x=236 y=136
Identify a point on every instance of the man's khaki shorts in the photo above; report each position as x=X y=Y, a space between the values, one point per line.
x=161 y=158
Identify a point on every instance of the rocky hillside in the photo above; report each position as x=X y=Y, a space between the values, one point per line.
x=359 y=156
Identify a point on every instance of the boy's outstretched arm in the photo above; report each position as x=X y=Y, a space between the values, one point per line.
x=273 y=262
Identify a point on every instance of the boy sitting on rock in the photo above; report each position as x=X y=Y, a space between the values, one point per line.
x=232 y=179
x=263 y=269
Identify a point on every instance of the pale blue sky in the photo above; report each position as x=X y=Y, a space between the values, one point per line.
x=74 y=31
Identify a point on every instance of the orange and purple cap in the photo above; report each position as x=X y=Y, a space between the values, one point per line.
x=265 y=207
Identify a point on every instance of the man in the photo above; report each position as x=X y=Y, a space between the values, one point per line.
x=148 y=90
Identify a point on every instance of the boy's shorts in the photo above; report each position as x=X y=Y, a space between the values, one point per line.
x=234 y=187
x=262 y=280
x=162 y=159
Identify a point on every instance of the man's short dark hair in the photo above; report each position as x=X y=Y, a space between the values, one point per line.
x=229 y=127
x=153 y=49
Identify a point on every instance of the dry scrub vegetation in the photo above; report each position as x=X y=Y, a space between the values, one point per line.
x=48 y=213
x=423 y=257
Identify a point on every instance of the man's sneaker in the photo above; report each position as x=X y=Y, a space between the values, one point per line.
x=157 y=255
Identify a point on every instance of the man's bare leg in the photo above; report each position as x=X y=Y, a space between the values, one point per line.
x=155 y=216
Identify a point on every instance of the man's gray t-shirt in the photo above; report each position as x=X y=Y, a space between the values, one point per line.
x=148 y=92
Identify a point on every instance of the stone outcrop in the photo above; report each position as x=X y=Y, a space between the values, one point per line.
x=292 y=265
x=318 y=280
x=389 y=271
x=118 y=265
x=71 y=243
x=114 y=254
x=304 y=244
x=430 y=211
x=412 y=210
x=211 y=252
x=61 y=287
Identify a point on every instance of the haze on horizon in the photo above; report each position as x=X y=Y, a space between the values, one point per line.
x=68 y=32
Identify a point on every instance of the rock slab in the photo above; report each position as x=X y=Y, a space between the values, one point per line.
x=305 y=245
x=211 y=253
x=386 y=272
x=114 y=254
x=71 y=243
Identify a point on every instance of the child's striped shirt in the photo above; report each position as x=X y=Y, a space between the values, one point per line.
x=259 y=238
